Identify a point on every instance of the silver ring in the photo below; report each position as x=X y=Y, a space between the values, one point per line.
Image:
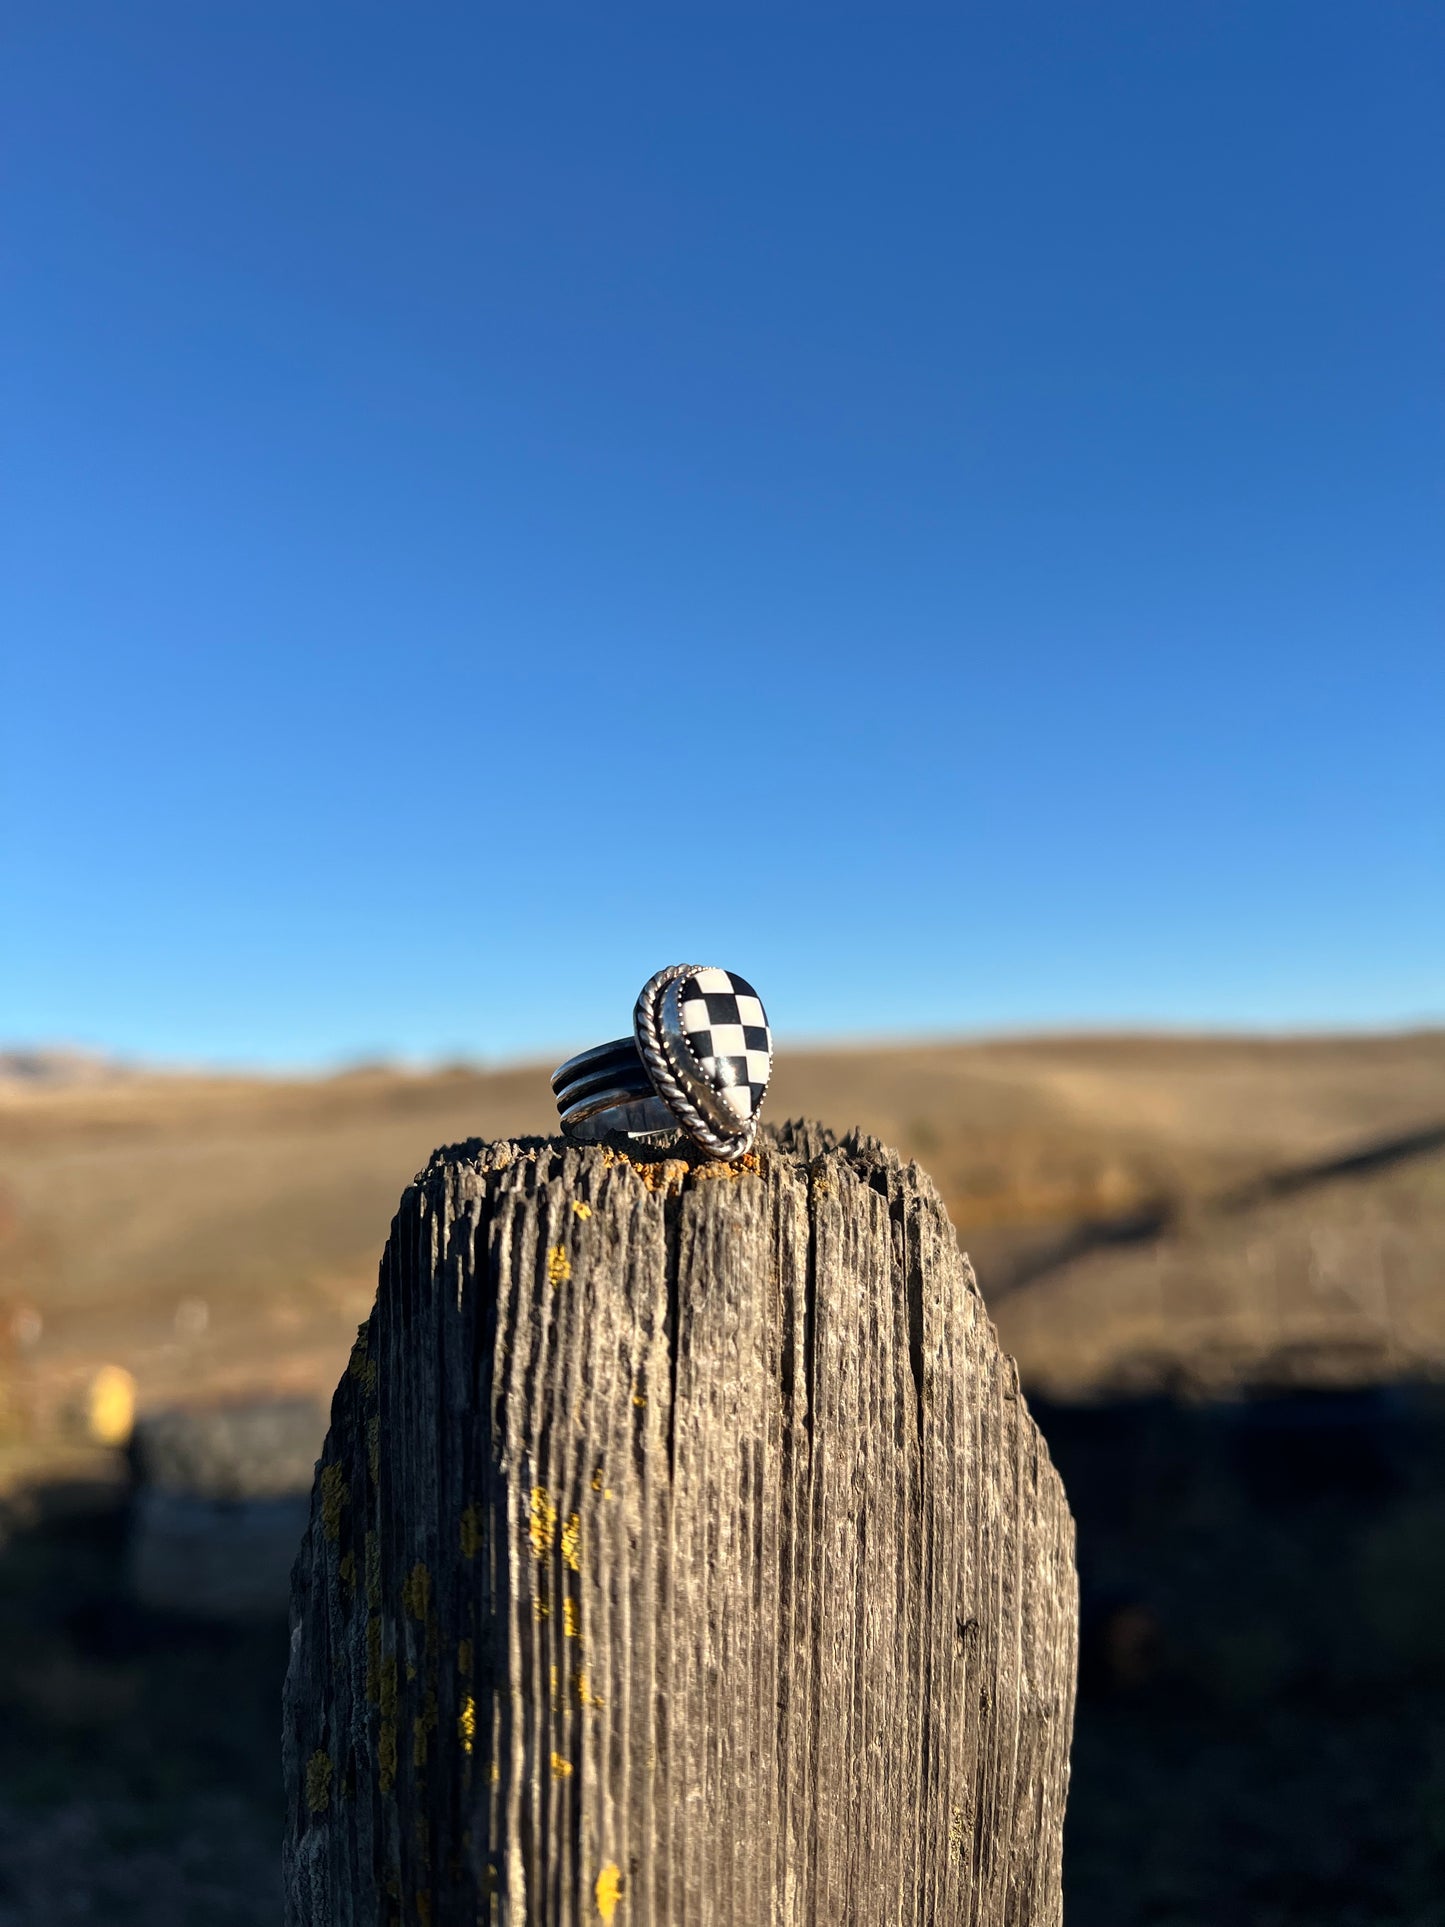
x=699 y=1059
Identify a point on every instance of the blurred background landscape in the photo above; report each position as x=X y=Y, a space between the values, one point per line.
x=1219 y=1262
x=937 y=511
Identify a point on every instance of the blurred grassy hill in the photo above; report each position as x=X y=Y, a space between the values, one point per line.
x=1143 y=1212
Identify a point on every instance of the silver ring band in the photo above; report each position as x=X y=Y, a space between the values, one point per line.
x=608 y=1089
x=699 y=1060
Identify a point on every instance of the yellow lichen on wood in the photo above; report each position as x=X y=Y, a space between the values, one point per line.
x=318 y=1781
x=467 y=1724
x=559 y=1266
x=572 y=1543
x=542 y=1523
x=416 y=1591
x=571 y=1619
x=386 y=1756
x=608 y=1890
x=561 y=1769
x=582 y=1210
x=422 y=1727
x=334 y=1497
x=361 y=1367
x=583 y=1686
x=470 y=1530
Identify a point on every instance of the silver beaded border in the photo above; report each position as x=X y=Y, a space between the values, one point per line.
x=666 y=1082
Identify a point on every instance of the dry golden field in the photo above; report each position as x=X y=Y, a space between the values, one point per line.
x=1142 y=1211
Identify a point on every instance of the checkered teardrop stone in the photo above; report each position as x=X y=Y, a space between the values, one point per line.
x=727 y=1031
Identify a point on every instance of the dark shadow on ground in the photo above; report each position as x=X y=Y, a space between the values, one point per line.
x=139 y=1754
x=1261 y=1731
x=1261 y=1727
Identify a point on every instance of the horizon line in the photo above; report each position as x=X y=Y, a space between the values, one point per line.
x=90 y=1060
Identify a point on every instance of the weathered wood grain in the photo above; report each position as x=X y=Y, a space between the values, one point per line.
x=682 y=1555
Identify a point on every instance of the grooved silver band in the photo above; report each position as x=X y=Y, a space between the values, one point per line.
x=608 y=1089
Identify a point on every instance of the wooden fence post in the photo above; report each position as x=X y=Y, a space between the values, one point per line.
x=681 y=1555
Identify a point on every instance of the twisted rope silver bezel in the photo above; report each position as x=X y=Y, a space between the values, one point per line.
x=664 y=1077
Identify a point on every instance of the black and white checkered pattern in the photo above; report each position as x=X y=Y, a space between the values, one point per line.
x=727 y=1029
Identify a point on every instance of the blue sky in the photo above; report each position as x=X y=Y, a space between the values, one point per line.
x=936 y=510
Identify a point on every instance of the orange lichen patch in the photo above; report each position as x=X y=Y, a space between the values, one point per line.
x=542 y=1522
x=318 y=1782
x=608 y=1890
x=572 y=1543
x=559 y=1266
x=665 y=1175
x=669 y=1174
x=720 y=1168
x=561 y=1769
